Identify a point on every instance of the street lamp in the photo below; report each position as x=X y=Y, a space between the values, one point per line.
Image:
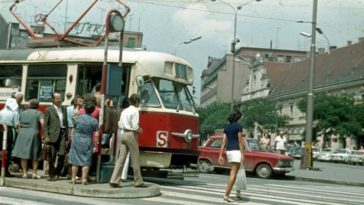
x=306 y=162
x=186 y=42
x=320 y=32
x=233 y=43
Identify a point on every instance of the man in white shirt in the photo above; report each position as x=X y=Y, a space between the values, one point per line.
x=129 y=123
x=280 y=143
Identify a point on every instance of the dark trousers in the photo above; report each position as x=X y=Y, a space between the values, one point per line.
x=57 y=148
x=9 y=145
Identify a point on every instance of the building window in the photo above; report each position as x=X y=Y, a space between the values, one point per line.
x=280 y=58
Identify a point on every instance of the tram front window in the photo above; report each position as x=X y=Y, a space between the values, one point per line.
x=175 y=95
x=148 y=96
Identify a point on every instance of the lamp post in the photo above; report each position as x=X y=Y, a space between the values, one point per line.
x=186 y=42
x=306 y=162
x=233 y=43
x=320 y=32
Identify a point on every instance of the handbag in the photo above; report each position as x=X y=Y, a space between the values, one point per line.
x=240 y=182
x=46 y=152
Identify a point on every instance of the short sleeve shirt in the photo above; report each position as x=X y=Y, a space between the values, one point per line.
x=280 y=142
x=231 y=131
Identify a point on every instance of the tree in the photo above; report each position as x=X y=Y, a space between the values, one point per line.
x=333 y=114
x=213 y=117
x=263 y=112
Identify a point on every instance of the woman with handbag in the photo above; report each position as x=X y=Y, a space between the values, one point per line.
x=28 y=144
x=234 y=141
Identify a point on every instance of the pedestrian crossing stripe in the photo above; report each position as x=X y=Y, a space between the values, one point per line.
x=260 y=194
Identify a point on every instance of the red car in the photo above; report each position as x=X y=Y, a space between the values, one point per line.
x=258 y=161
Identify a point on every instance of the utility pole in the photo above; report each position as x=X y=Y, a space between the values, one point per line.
x=307 y=162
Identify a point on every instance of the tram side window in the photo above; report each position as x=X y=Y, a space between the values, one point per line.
x=45 y=79
x=10 y=75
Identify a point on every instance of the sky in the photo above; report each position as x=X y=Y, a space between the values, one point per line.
x=167 y=23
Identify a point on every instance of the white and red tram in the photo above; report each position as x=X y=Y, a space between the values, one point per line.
x=170 y=124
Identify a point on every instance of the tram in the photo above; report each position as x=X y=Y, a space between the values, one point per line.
x=169 y=140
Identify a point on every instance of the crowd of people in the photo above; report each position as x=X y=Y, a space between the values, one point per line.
x=69 y=139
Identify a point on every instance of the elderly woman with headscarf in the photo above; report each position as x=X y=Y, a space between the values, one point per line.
x=10 y=117
x=28 y=145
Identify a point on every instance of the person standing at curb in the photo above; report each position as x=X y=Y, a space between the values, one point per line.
x=83 y=144
x=29 y=144
x=129 y=122
x=280 y=143
x=10 y=117
x=55 y=132
x=234 y=141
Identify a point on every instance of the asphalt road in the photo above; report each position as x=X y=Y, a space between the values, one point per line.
x=208 y=189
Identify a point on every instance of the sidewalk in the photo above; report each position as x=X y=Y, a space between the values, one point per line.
x=330 y=173
x=63 y=186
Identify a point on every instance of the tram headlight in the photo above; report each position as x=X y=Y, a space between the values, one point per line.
x=188 y=135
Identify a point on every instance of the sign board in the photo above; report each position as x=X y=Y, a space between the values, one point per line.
x=45 y=91
x=114 y=80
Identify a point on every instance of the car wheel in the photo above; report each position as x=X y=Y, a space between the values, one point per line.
x=205 y=166
x=264 y=171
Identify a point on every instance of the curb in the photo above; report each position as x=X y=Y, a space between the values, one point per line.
x=329 y=181
x=92 y=190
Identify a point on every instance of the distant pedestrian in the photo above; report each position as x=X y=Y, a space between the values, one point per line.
x=129 y=123
x=55 y=132
x=280 y=143
x=234 y=140
x=83 y=145
x=28 y=145
x=265 y=142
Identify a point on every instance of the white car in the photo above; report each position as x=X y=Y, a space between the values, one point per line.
x=356 y=157
x=325 y=154
x=316 y=153
x=340 y=155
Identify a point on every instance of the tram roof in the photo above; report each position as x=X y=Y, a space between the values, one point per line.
x=84 y=54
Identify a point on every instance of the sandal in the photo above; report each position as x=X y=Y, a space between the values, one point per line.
x=25 y=176
x=73 y=181
x=36 y=176
x=227 y=199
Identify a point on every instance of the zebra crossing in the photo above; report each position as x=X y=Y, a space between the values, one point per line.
x=323 y=194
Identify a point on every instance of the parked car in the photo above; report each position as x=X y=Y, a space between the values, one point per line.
x=316 y=153
x=258 y=161
x=356 y=157
x=325 y=154
x=340 y=155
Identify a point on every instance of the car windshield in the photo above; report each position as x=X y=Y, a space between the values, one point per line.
x=253 y=145
x=357 y=153
x=340 y=151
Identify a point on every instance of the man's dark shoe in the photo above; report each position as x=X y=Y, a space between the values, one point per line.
x=52 y=179
x=114 y=185
x=141 y=186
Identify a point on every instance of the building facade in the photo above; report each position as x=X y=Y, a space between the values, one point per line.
x=341 y=71
x=216 y=80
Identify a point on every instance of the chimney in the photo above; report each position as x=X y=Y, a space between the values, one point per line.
x=321 y=50
x=333 y=48
x=361 y=39
x=350 y=43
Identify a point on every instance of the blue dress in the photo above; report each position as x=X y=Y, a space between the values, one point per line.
x=81 y=147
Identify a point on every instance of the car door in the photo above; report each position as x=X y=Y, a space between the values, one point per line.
x=214 y=152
